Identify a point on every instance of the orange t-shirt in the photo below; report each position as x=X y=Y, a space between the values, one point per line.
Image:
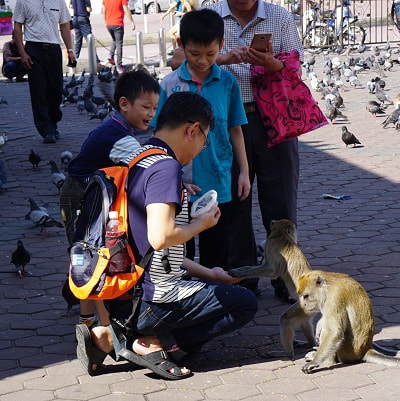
x=114 y=12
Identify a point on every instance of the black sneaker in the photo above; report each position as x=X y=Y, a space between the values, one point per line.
x=49 y=139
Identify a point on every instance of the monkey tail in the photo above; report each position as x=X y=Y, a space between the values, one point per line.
x=381 y=359
x=385 y=351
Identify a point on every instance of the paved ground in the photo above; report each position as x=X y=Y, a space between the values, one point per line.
x=359 y=236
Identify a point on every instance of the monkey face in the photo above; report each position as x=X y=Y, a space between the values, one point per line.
x=311 y=291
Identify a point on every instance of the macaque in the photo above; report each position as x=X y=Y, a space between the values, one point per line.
x=284 y=258
x=346 y=328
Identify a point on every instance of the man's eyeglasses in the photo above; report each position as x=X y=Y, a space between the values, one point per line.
x=206 y=140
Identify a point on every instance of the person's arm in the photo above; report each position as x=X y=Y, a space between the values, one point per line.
x=235 y=56
x=66 y=37
x=205 y=273
x=265 y=59
x=25 y=58
x=163 y=232
x=129 y=15
x=169 y=11
x=7 y=54
x=239 y=152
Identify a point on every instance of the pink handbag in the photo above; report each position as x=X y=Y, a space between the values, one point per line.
x=284 y=100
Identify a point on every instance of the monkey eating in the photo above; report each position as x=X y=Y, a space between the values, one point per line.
x=284 y=258
x=346 y=328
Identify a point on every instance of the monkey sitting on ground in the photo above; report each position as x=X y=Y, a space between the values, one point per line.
x=346 y=328
x=284 y=258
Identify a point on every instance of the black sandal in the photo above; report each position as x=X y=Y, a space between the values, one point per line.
x=158 y=362
x=87 y=353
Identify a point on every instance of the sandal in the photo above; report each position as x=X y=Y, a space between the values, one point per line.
x=87 y=353
x=158 y=362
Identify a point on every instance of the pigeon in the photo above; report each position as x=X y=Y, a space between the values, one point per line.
x=392 y=118
x=3 y=100
x=348 y=138
x=375 y=108
x=89 y=106
x=20 y=258
x=381 y=96
x=73 y=96
x=34 y=158
x=40 y=217
x=57 y=177
x=3 y=174
x=100 y=114
x=3 y=139
x=333 y=112
x=66 y=157
x=81 y=78
x=72 y=83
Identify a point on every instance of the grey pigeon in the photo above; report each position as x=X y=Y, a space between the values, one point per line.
x=3 y=139
x=72 y=83
x=34 y=158
x=392 y=118
x=348 y=138
x=381 y=96
x=375 y=108
x=3 y=174
x=333 y=112
x=66 y=157
x=20 y=258
x=57 y=177
x=81 y=78
x=40 y=217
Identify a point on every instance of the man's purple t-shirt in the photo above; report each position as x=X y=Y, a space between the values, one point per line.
x=157 y=179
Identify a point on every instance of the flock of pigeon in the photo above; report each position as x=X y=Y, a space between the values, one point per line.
x=347 y=72
x=338 y=76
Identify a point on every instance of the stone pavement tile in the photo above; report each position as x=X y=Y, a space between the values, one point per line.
x=333 y=394
x=343 y=378
x=82 y=392
x=231 y=392
x=379 y=392
x=120 y=397
x=140 y=386
x=199 y=381
x=248 y=376
x=29 y=395
x=51 y=383
x=288 y=386
x=7 y=386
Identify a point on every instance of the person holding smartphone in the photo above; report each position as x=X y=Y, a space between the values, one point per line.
x=276 y=168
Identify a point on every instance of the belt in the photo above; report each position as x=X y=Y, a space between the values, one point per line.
x=43 y=44
x=250 y=107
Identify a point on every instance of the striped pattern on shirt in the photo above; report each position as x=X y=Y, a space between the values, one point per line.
x=170 y=287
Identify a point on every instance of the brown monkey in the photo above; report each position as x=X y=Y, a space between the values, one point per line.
x=284 y=258
x=346 y=328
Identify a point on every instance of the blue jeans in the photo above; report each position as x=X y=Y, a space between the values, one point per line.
x=215 y=310
x=82 y=29
x=117 y=35
x=14 y=69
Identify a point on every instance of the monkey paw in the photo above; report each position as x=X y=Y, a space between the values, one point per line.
x=241 y=271
x=309 y=367
x=310 y=355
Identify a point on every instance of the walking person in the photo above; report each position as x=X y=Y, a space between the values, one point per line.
x=42 y=58
x=81 y=23
x=114 y=11
x=276 y=168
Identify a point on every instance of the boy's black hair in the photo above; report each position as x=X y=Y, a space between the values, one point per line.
x=132 y=84
x=201 y=27
x=183 y=107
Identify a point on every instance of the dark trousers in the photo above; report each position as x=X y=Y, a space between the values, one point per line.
x=14 y=69
x=82 y=29
x=117 y=35
x=215 y=310
x=45 y=85
x=277 y=172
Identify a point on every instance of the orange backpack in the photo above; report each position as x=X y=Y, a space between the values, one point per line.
x=89 y=257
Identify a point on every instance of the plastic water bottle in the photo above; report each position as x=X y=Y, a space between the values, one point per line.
x=120 y=262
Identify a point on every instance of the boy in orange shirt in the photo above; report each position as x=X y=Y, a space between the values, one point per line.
x=114 y=11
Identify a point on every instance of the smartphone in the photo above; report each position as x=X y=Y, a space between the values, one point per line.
x=260 y=41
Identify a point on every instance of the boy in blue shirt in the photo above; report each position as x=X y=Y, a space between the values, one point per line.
x=201 y=37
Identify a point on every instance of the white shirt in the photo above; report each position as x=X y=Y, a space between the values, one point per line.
x=268 y=18
x=41 y=19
